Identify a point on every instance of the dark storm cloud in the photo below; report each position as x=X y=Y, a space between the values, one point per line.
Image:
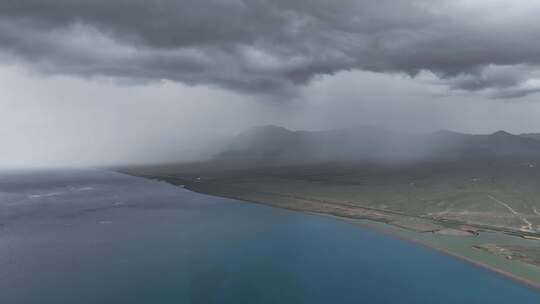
x=264 y=46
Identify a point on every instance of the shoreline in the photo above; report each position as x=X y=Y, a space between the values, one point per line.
x=513 y=277
x=355 y=221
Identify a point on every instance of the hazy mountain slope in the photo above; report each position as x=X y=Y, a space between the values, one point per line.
x=372 y=144
x=531 y=135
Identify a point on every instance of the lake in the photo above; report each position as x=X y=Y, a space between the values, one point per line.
x=92 y=236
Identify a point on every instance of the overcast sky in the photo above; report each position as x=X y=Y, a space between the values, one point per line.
x=86 y=82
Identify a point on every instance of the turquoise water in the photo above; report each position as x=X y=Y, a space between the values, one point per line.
x=102 y=237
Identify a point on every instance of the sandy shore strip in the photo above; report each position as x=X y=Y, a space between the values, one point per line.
x=532 y=284
x=473 y=262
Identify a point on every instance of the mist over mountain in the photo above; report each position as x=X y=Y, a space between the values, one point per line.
x=531 y=135
x=373 y=144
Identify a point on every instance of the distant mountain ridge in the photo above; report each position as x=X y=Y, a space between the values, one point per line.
x=373 y=144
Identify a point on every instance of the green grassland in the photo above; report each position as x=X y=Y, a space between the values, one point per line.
x=498 y=193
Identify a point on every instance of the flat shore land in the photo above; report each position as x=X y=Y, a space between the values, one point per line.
x=458 y=246
x=461 y=246
x=499 y=243
x=478 y=261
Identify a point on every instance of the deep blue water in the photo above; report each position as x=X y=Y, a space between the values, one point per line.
x=102 y=237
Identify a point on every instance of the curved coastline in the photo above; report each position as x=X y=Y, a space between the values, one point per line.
x=476 y=263
x=379 y=226
x=516 y=278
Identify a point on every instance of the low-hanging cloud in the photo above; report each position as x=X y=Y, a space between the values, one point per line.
x=273 y=46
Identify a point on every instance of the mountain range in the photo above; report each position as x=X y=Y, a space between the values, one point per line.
x=373 y=144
